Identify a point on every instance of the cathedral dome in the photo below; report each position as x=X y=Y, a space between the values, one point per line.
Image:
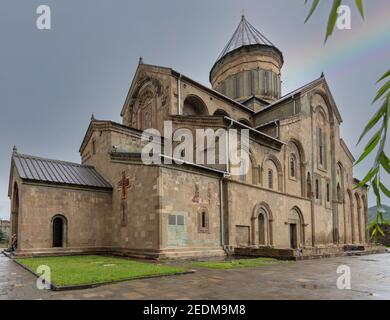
x=249 y=66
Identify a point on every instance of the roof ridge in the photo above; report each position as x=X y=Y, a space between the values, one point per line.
x=53 y=160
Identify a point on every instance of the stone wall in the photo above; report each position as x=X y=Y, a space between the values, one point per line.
x=85 y=211
x=188 y=195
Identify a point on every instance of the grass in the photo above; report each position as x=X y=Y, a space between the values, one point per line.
x=238 y=263
x=84 y=270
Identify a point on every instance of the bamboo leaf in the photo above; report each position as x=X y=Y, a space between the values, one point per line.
x=312 y=9
x=370 y=146
x=359 y=4
x=378 y=196
x=385 y=162
x=332 y=18
x=367 y=178
x=382 y=91
x=383 y=188
x=385 y=75
x=374 y=120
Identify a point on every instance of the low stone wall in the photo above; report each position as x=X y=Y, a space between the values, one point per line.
x=309 y=252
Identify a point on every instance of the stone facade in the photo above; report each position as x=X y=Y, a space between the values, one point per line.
x=297 y=195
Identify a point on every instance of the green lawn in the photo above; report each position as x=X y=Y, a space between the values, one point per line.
x=238 y=263
x=81 y=270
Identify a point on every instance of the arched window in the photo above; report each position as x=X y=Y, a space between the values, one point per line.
x=293 y=165
x=243 y=170
x=194 y=106
x=221 y=113
x=270 y=179
x=308 y=184
x=203 y=221
x=317 y=189
x=327 y=192
x=321 y=146
x=339 y=195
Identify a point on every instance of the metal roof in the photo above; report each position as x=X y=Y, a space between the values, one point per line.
x=245 y=35
x=58 y=172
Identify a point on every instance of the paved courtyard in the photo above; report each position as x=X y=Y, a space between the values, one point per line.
x=313 y=279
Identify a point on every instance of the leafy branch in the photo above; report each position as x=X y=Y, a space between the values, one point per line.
x=378 y=140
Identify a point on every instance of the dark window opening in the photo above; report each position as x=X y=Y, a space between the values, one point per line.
x=327 y=192
x=270 y=179
x=317 y=189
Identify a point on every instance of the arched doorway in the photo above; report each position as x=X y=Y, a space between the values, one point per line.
x=59 y=229
x=296 y=228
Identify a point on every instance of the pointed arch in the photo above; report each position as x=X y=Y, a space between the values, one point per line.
x=142 y=104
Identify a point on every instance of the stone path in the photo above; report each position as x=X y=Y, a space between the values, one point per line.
x=313 y=279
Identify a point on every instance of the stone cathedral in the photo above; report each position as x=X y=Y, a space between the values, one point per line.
x=296 y=198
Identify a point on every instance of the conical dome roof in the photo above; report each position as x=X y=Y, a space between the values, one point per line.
x=245 y=35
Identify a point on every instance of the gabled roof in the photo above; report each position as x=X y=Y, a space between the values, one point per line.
x=183 y=77
x=32 y=168
x=245 y=35
x=307 y=87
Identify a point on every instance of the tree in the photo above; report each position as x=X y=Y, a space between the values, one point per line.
x=381 y=163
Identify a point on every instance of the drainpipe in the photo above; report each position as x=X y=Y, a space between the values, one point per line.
x=221 y=206
x=227 y=147
x=179 y=95
x=313 y=235
x=221 y=212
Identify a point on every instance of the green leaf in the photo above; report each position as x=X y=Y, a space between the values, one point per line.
x=359 y=4
x=312 y=9
x=367 y=178
x=385 y=75
x=385 y=162
x=373 y=120
x=370 y=146
x=383 y=188
x=382 y=91
x=377 y=195
x=332 y=18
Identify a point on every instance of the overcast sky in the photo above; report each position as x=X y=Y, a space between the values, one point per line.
x=52 y=81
